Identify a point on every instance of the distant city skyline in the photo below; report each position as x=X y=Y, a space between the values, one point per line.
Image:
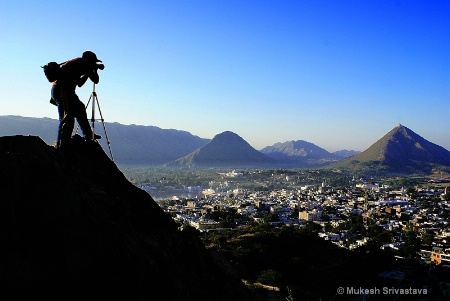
x=337 y=74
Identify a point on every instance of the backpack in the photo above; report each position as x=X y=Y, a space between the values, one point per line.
x=51 y=71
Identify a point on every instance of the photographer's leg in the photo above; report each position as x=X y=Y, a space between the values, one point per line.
x=56 y=100
x=67 y=122
x=81 y=116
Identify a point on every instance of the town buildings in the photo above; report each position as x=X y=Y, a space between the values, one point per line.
x=349 y=216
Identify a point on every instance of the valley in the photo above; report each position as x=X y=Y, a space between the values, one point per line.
x=359 y=228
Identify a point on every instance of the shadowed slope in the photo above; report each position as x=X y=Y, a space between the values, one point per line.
x=72 y=226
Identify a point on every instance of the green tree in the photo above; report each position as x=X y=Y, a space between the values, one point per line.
x=270 y=277
x=312 y=228
x=357 y=225
x=428 y=237
x=381 y=238
x=272 y=217
x=412 y=242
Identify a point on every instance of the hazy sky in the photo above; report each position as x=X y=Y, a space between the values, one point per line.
x=339 y=74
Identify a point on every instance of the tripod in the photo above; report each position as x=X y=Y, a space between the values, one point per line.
x=94 y=99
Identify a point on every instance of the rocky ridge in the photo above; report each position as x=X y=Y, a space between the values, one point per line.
x=72 y=226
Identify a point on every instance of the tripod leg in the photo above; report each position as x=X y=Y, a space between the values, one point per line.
x=94 y=99
x=104 y=128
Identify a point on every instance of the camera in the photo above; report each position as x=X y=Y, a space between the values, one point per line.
x=100 y=66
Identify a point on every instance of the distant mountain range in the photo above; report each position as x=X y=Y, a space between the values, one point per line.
x=345 y=153
x=130 y=144
x=401 y=150
x=300 y=152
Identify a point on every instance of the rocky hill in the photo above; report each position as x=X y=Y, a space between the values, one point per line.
x=344 y=153
x=399 y=151
x=72 y=227
x=225 y=150
x=299 y=152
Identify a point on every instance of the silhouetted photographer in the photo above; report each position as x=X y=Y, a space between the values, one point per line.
x=74 y=73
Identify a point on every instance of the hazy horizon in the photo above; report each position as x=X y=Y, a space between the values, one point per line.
x=337 y=74
x=101 y=131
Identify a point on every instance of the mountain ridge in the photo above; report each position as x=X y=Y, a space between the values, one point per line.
x=345 y=153
x=74 y=226
x=149 y=145
x=401 y=149
x=298 y=151
x=130 y=144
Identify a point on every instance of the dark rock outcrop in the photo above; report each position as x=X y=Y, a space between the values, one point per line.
x=73 y=227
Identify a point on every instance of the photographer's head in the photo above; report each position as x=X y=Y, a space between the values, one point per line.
x=90 y=57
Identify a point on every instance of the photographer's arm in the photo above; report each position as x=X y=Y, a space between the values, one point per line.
x=82 y=80
x=92 y=75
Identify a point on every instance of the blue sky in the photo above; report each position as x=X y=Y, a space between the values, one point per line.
x=339 y=74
